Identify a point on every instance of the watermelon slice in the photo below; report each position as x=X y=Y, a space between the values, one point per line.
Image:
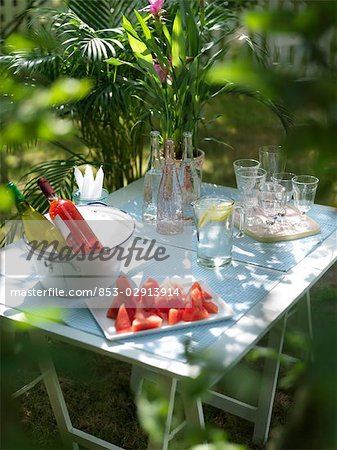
x=123 y=323
x=205 y=294
x=146 y=323
x=211 y=307
x=174 y=316
x=147 y=299
x=194 y=309
x=124 y=287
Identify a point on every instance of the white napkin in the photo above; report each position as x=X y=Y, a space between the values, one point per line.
x=78 y=178
x=98 y=183
x=90 y=187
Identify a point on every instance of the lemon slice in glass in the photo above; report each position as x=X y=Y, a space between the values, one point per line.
x=216 y=213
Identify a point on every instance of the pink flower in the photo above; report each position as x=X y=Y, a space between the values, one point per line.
x=156 y=6
x=162 y=74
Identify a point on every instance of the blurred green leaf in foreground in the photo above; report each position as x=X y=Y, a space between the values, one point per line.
x=27 y=113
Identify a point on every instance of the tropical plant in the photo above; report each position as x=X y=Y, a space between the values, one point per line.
x=74 y=42
x=173 y=52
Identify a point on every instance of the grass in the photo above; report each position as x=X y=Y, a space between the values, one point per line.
x=101 y=403
x=96 y=388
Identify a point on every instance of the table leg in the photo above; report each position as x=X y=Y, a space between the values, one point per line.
x=269 y=382
x=54 y=391
x=170 y=385
x=304 y=321
x=193 y=411
x=308 y=317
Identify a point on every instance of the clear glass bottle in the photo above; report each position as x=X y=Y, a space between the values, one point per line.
x=169 y=204
x=189 y=178
x=152 y=181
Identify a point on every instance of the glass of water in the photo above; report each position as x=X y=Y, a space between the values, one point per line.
x=305 y=187
x=214 y=218
x=272 y=159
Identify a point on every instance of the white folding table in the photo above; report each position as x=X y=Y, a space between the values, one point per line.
x=267 y=315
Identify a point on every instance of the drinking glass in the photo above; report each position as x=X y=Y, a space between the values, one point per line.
x=305 y=187
x=285 y=179
x=214 y=218
x=248 y=183
x=271 y=198
x=272 y=159
x=251 y=164
x=78 y=200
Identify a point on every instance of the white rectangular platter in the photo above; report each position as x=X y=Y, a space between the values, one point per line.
x=99 y=306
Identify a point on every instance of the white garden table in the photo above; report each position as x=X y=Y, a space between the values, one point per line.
x=231 y=342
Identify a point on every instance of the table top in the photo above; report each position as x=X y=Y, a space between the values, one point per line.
x=261 y=284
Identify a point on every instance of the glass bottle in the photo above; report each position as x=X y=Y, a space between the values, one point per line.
x=152 y=181
x=169 y=204
x=39 y=231
x=189 y=179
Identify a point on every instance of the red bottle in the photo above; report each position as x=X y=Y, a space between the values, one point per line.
x=70 y=221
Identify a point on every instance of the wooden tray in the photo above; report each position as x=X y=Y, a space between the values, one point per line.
x=287 y=228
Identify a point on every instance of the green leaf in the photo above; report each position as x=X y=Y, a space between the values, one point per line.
x=68 y=90
x=178 y=42
x=149 y=68
x=17 y=42
x=140 y=49
x=145 y=28
x=118 y=62
x=192 y=31
x=167 y=35
x=235 y=72
x=6 y=199
x=127 y=25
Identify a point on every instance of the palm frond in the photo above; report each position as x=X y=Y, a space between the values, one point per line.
x=281 y=112
x=219 y=16
x=95 y=13
x=83 y=44
x=101 y=14
x=44 y=68
x=60 y=175
x=43 y=62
